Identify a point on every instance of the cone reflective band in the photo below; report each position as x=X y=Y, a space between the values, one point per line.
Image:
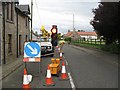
x=60 y=55
x=59 y=49
x=48 y=72
x=25 y=80
x=63 y=69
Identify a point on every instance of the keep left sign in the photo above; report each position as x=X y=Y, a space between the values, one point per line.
x=32 y=49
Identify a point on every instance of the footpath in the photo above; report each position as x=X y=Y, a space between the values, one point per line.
x=7 y=69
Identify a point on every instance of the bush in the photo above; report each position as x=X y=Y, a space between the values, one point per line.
x=113 y=48
x=68 y=39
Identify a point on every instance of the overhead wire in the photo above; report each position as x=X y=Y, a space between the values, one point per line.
x=38 y=13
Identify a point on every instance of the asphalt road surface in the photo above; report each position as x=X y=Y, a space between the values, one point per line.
x=92 y=69
x=86 y=69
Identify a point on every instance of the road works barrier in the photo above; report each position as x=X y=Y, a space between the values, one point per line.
x=31 y=59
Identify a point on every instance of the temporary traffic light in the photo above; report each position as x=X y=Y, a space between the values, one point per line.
x=54 y=35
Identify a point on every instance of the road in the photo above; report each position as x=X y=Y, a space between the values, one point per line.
x=92 y=69
x=86 y=69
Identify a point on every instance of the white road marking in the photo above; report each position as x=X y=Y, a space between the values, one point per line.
x=70 y=77
x=64 y=57
x=65 y=61
x=71 y=82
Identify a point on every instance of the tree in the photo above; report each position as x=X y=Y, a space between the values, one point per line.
x=106 y=21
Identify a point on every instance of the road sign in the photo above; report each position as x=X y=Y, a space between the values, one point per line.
x=32 y=49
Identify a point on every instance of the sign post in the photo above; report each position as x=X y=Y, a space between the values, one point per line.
x=32 y=53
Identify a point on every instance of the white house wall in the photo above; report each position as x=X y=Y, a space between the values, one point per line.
x=88 y=37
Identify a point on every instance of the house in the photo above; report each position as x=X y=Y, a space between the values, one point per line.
x=73 y=35
x=15 y=29
x=87 y=35
x=81 y=34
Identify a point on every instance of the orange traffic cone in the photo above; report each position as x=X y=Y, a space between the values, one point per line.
x=61 y=56
x=64 y=75
x=48 y=80
x=58 y=49
x=26 y=85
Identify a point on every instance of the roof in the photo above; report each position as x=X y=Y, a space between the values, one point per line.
x=69 y=34
x=24 y=8
x=16 y=1
x=87 y=33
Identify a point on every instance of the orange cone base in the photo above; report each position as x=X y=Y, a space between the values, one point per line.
x=64 y=76
x=49 y=82
x=26 y=87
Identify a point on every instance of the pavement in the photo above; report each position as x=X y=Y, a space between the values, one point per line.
x=8 y=68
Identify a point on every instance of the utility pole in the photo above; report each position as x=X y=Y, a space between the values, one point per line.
x=73 y=27
x=73 y=23
x=31 y=17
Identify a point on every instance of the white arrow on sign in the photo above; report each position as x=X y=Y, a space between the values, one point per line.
x=34 y=51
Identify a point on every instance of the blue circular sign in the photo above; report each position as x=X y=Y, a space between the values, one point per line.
x=32 y=49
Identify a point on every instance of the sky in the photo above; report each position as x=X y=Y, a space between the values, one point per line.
x=60 y=13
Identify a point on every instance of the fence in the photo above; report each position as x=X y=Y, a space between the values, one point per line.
x=91 y=41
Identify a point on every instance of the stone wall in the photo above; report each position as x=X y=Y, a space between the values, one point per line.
x=11 y=28
x=1 y=28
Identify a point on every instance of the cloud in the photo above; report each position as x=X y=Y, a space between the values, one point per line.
x=60 y=12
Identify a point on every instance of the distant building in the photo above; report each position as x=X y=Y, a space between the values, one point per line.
x=15 y=29
x=87 y=35
x=84 y=35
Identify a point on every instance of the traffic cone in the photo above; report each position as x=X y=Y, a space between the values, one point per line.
x=58 y=49
x=26 y=85
x=48 y=80
x=64 y=75
x=61 y=56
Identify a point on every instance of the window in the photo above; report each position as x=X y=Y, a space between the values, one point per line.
x=7 y=10
x=12 y=11
x=9 y=43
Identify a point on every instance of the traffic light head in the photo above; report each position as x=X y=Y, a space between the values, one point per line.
x=54 y=35
x=54 y=29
